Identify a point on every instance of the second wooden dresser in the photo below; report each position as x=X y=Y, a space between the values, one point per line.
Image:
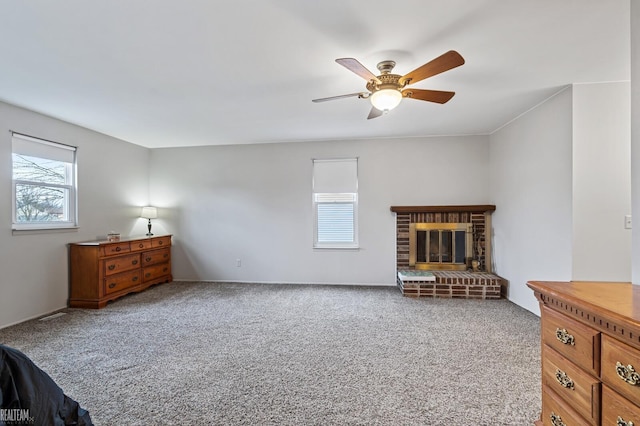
x=106 y=270
x=590 y=351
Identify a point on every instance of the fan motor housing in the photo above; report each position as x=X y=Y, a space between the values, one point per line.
x=387 y=81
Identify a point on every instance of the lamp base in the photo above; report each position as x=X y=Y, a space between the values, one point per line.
x=149 y=229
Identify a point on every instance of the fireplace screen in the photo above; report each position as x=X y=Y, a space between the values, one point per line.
x=444 y=246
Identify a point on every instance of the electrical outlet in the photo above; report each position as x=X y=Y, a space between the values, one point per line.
x=627 y=221
x=238 y=263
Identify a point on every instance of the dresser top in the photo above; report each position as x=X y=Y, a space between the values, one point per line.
x=121 y=240
x=600 y=303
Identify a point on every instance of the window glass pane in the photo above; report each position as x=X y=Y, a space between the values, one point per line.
x=39 y=203
x=335 y=223
x=36 y=169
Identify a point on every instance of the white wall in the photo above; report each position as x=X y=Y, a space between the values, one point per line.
x=531 y=188
x=253 y=203
x=560 y=176
x=112 y=178
x=601 y=182
x=635 y=138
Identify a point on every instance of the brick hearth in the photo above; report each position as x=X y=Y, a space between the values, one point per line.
x=455 y=284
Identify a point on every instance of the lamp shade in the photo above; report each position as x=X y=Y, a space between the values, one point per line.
x=386 y=99
x=149 y=212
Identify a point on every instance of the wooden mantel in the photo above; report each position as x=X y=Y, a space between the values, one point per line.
x=440 y=209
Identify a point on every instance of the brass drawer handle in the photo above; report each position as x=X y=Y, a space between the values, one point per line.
x=140 y=245
x=628 y=374
x=564 y=380
x=621 y=422
x=160 y=242
x=147 y=275
x=565 y=337
x=118 y=248
x=112 y=267
x=147 y=259
x=112 y=285
x=556 y=420
x=166 y=255
x=134 y=262
x=134 y=279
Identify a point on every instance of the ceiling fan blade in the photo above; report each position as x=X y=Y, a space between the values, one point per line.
x=354 y=66
x=332 y=98
x=442 y=63
x=375 y=112
x=436 y=96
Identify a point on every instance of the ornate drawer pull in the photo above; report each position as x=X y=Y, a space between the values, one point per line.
x=140 y=245
x=112 y=267
x=166 y=255
x=159 y=243
x=565 y=337
x=621 y=422
x=118 y=248
x=134 y=279
x=564 y=380
x=147 y=275
x=112 y=285
x=628 y=374
x=556 y=420
x=134 y=262
x=147 y=259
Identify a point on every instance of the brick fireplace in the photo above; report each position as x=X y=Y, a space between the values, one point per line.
x=445 y=251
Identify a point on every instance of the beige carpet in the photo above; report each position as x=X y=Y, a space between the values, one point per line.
x=239 y=354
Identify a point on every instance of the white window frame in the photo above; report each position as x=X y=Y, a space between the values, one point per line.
x=345 y=193
x=45 y=149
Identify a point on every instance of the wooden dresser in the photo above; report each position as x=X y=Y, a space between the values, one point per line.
x=105 y=270
x=590 y=333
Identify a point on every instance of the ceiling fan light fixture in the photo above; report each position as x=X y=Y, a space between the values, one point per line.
x=386 y=99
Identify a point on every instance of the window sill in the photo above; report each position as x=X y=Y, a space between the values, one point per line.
x=329 y=247
x=39 y=230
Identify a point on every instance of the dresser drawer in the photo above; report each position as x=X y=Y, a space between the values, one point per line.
x=140 y=245
x=617 y=410
x=156 y=256
x=152 y=272
x=621 y=368
x=572 y=339
x=114 y=249
x=119 y=264
x=576 y=387
x=123 y=281
x=556 y=412
x=161 y=242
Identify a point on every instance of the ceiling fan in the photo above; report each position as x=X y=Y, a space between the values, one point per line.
x=387 y=90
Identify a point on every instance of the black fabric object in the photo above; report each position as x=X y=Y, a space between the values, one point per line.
x=30 y=396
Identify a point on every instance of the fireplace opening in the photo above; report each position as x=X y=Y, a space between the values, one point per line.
x=440 y=246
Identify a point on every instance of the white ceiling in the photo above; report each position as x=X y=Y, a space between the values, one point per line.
x=163 y=73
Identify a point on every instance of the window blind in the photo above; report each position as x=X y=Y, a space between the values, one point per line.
x=31 y=147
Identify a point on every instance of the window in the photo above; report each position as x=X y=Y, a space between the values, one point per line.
x=44 y=184
x=335 y=203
